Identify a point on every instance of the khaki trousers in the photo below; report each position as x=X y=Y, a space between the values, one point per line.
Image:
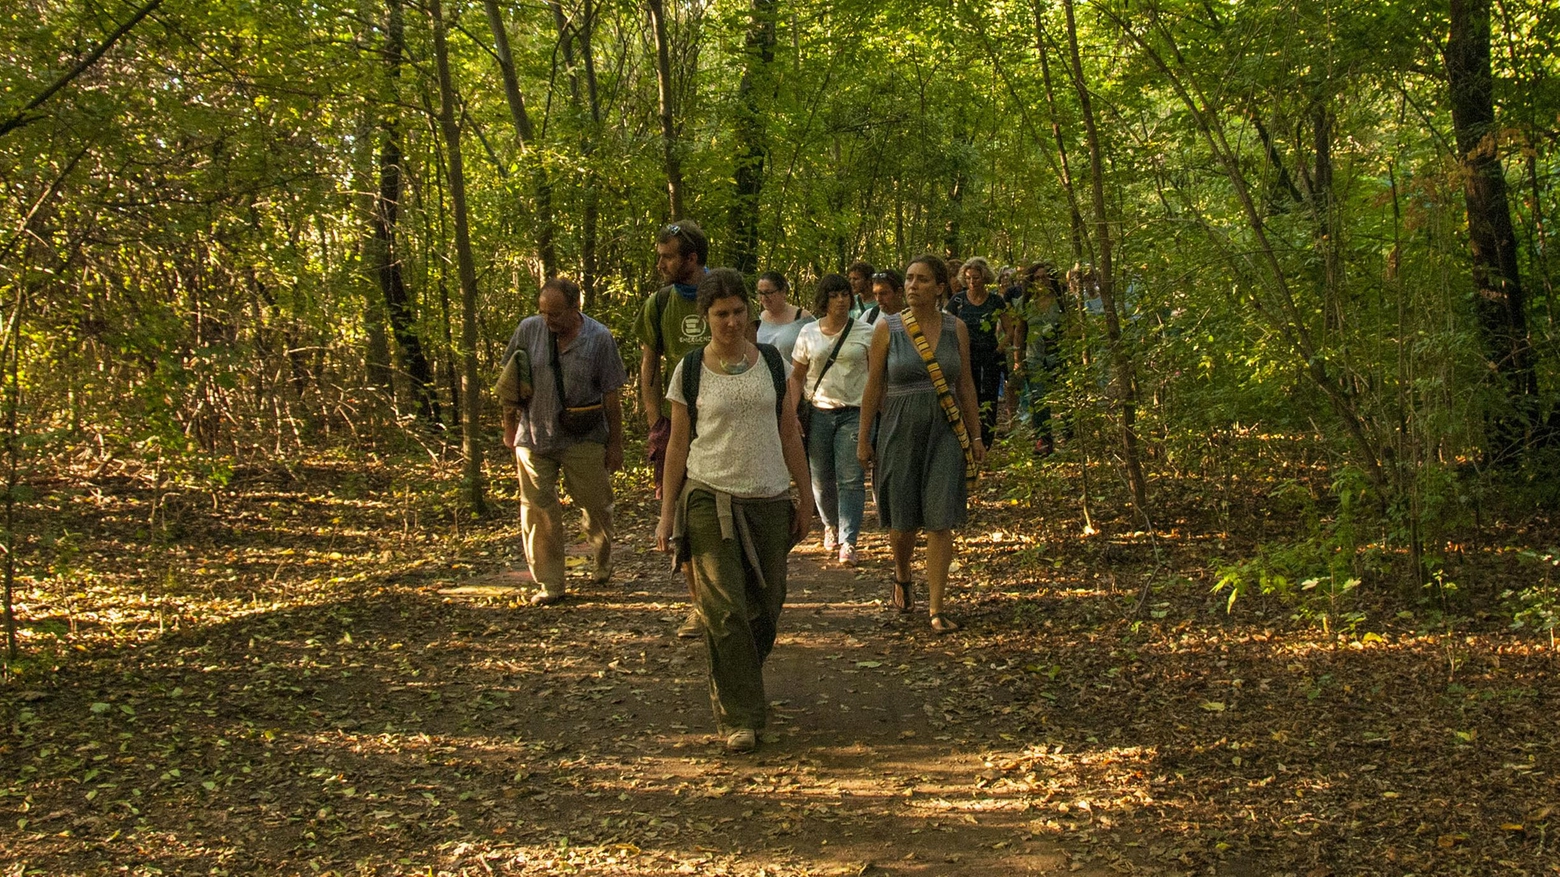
x=584 y=472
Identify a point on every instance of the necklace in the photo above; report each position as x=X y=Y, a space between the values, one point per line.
x=733 y=368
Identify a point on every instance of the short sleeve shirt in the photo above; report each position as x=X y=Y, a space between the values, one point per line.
x=846 y=380
x=592 y=368
x=984 y=321
x=737 y=449
x=682 y=329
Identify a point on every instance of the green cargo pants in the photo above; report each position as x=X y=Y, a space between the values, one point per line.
x=739 y=603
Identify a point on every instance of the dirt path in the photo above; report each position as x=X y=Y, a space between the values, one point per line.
x=867 y=768
x=421 y=728
x=295 y=690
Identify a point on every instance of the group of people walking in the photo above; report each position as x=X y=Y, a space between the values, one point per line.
x=745 y=403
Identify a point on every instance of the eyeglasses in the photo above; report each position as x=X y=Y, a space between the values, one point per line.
x=881 y=275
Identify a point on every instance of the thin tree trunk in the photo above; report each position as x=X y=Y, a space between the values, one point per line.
x=586 y=105
x=663 y=78
x=1122 y=367
x=752 y=154
x=1289 y=323
x=1074 y=215
x=545 y=224
x=10 y=362
x=1500 y=306
x=470 y=426
x=386 y=213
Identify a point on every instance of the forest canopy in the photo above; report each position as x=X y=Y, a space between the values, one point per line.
x=233 y=232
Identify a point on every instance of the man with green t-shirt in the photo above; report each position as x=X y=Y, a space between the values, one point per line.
x=669 y=326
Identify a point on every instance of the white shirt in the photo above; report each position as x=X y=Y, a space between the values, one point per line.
x=847 y=378
x=737 y=449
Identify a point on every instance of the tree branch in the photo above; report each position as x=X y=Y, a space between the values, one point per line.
x=21 y=118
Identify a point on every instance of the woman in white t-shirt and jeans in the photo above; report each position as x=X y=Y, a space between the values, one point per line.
x=833 y=389
x=726 y=502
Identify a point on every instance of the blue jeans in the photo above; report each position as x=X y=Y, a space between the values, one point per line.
x=838 y=482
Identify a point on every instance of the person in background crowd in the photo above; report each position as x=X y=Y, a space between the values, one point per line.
x=955 y=281
x=889 y=288
x=829 y=375
x=572 y=427
x=779 y=321
x=1037 y=352
x=921 y=463
x=1011 y=288
x=1010 y=285
x=864 y=301
x=985 y=316
x=733 y=453
x=669 y=326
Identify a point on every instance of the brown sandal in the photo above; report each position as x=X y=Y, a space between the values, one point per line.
x=903 y=598
x=943 y=624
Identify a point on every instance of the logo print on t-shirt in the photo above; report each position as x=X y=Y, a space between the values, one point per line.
x=692 y=328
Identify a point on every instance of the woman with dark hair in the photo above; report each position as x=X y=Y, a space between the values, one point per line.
x=929 y=442
x=734 y=452
x=985 y=316
x=829 y=373
x=779 y=321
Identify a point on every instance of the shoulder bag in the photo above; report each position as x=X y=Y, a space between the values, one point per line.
x=577 y=422
x=804 y=407
x=950 y=407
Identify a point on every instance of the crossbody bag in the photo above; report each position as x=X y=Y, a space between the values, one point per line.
x=579 y=421
x=950 y=406
x=804 y=409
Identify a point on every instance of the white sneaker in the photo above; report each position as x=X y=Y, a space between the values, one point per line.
x=847 y=554
x=742 y=740
x=830 y=539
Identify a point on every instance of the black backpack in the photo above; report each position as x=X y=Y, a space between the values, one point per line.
x=693 y=370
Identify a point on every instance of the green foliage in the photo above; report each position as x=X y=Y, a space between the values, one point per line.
x=1317 y=574
x=1536 y=606
x=186 y=226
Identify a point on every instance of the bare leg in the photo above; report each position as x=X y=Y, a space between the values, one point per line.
x=903 y=544
x=939 y=554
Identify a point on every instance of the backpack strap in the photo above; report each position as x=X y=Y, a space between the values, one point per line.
x=693 y=370
x=777 y=372
x=662 y=296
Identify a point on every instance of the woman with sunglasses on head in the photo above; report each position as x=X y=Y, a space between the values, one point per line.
x=829 y=373
x=779 y=321
x=929 y=442
x=726 y=507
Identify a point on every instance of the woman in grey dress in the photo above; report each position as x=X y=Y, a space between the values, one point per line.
x=919 y=477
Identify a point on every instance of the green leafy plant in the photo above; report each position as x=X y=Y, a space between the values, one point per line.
x=1537 y=606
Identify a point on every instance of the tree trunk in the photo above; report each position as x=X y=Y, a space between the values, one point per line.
x=470 y=427
x=663 y=78
x=1500 y=306
x=586 y=106
x=1074 y=215
x=751 y=151
x=386 y=210
x=10 y=368
x=1122 y=368
x=546 y=249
